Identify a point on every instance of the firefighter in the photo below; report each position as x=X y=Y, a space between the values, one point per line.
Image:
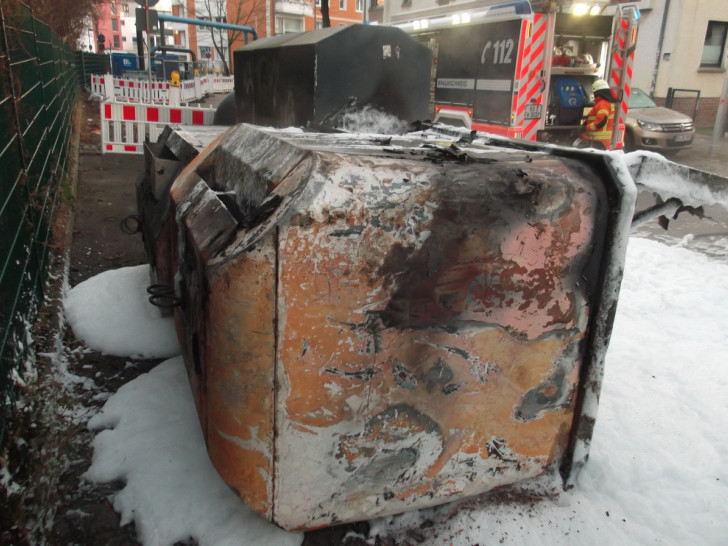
x=600 y=121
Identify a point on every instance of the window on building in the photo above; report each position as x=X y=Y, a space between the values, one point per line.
x=318 y=24
x=117 y=42
x=359 y=5
x=112 y=6
x=715 y=41
x=125 y=9
x=342 y=5
x=318 y=3
x=289 y=24
x=115 y=25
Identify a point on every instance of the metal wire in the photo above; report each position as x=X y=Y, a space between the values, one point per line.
x=37 y=102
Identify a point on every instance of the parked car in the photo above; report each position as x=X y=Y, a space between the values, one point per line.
x=652 y=127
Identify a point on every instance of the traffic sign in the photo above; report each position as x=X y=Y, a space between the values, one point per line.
x=141 y=19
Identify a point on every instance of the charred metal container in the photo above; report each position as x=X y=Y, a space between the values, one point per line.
x=303 y=78
x=372 y=326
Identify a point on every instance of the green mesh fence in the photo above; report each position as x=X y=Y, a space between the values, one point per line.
x=37 y=100
x=91 y=63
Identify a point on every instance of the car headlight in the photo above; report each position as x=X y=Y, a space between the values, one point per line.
x=649 y=126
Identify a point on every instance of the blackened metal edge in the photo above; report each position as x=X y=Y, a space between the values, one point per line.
x=622 y=194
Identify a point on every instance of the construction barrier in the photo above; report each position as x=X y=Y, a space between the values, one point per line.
x=157 y=91
x=139 y=90
x=223 y=84
x=125 y=127
x=190 y=90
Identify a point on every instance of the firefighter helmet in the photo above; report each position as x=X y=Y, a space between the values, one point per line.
x=600 y=85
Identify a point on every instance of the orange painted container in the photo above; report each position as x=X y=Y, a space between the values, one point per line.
x=372 y=326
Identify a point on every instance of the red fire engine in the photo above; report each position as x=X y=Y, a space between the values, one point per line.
x=525 y=73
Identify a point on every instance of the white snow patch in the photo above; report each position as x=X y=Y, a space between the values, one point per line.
x=111 y=313
x=172 y=491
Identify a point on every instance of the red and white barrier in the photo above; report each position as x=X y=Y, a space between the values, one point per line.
x=223 y=84
x=99 y=85
x=125 y=127
x=189 y=91
x=141 y=90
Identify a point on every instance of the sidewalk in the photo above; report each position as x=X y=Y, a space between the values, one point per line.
x=699 y=156
x=105 y=195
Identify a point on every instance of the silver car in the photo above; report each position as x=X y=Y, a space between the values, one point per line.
x=652 y=127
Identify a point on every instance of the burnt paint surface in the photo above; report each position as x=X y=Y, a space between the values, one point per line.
x=451 y=300
x=411 y=331
x=239 y=351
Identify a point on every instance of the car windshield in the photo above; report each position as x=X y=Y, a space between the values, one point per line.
x=639 y=99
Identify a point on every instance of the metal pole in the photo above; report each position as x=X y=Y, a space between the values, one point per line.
x=149 y=47
x=660 y=43
x=719 y=127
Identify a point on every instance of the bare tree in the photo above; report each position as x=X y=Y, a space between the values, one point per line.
x=67 y=18
x=237 y=12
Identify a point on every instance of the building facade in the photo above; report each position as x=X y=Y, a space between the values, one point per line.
x=268 y=18
x=110 y=27
x=117 y=22
x=681 y=51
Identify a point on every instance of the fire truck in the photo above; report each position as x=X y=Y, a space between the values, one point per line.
x=523 y=69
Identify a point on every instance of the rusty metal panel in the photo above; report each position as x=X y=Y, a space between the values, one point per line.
x=430 y=335
x=239 y=352
x=412 y=320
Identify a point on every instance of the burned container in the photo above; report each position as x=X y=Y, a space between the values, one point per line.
x=301 y=79
x=371 y=327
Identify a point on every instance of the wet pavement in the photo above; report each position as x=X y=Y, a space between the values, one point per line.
x=700 y=156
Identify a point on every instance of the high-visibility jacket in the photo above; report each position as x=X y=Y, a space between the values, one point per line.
x=600 y=123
